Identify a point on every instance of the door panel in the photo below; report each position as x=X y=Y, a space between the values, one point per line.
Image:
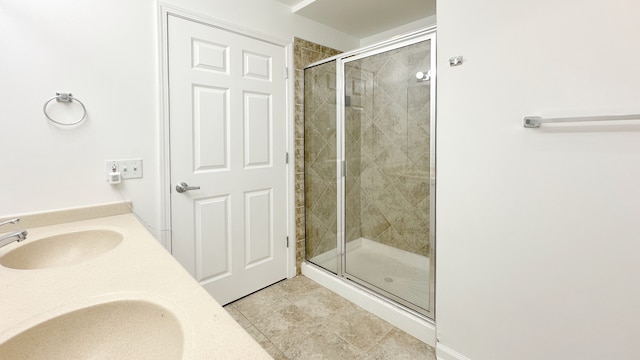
x=211 y=121
x=213 y=240
x=257 y=130
x=227 y=126
x=259 y=243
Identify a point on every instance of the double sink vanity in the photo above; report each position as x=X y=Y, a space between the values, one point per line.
x=93 y=283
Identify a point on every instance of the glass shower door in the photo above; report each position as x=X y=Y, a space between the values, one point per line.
x=387 y=188
x=320 y=166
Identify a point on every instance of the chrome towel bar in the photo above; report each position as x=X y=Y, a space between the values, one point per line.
x=536 y=121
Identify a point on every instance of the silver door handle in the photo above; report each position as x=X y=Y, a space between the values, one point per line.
x=183 y=186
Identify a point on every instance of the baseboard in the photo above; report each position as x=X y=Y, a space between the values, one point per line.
x=446 y=353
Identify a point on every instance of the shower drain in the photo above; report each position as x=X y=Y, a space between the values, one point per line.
x=388 y=279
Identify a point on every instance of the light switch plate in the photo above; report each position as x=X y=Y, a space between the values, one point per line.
x=128 y=169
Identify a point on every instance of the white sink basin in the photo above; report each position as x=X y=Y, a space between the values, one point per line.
x=125 y=329
x=64 y=249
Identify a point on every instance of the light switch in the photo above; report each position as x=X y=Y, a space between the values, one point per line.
x=128 y=169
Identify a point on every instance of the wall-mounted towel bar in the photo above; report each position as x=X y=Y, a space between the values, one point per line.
x=536 y=121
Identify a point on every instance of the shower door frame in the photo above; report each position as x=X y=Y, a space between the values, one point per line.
x=425 y=35
x=428 y=34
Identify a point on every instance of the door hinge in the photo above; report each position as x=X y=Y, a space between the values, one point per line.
x=286 y=157
x=344 y=168
x=286 y=72
x=287 y=241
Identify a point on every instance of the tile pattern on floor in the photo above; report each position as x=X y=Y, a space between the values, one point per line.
x=299 y=319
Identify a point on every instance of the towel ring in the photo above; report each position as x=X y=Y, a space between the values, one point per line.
x=66 y=97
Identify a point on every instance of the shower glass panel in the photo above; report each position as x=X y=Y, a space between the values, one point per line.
x=320 y=186
x=387 y=185
x=369 y=163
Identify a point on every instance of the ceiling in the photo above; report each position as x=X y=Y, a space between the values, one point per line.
x=363 y=18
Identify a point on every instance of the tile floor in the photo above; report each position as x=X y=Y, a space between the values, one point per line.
x=299 y=319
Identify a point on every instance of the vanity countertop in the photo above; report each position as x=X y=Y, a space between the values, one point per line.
x=138 y=269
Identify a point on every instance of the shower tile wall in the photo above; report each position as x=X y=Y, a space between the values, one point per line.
x=357 y=110
x=388 y=149
x=305 y=53
x=320 y=159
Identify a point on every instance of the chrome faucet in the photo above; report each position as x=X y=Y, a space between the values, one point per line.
x=10 y=237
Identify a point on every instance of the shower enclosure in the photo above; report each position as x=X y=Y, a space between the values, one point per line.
x=369 y=168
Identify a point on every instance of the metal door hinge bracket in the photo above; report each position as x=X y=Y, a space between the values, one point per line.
x=286 y=158
x=287 y=241
x=286 y=72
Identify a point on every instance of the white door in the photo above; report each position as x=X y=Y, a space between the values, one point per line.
x=227 y=137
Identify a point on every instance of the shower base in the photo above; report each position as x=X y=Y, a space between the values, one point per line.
x=393 y=270
x=399 y=272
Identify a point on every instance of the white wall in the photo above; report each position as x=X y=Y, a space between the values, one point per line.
x=105 y=56
x=105 y=52
x=537 y=233
x=400 y=30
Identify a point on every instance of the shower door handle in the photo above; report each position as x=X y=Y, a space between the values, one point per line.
x=183 y=186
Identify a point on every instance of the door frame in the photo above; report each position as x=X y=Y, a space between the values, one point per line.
x=164 y=10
